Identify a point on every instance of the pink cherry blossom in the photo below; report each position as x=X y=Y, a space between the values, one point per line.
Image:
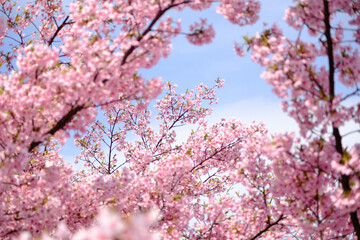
x=65 y=63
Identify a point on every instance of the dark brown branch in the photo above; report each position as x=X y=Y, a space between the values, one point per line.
x=59 y=125
x=58 y=30
x=268 y=227
x=149 y=28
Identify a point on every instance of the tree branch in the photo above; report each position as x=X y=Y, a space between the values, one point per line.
x=149 y=28
x=59 y=125
x=268 y=227
x=58 y=30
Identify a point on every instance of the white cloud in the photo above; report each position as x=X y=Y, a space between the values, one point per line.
x=258 y=110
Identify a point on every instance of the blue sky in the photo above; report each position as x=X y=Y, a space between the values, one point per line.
x=245 y=95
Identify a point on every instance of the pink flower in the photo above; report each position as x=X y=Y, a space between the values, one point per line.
x=202 y=33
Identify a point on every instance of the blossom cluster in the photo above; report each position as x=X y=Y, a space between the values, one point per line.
x=228 y=180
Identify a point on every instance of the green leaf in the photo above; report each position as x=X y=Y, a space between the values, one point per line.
x=247 y=39
x=345 y=157
x=177 y=197
x=346 y=193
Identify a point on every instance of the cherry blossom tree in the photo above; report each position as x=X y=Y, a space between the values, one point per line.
x=317 y=76
x=61 y=62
